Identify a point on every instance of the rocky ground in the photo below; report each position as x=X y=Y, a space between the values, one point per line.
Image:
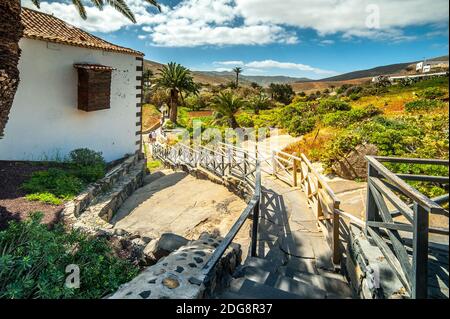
x=178 y=203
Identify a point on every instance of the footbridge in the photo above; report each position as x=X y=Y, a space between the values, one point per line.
x=304 y=246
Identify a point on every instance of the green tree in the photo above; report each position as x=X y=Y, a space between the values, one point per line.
x=237 y=70
x=259 y=102
x=227 y=105
x=176 y=79
x=12 y=31
x=281 y=92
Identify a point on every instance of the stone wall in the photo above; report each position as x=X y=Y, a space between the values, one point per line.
x=368 y=270
x=92 y=210
x=179 y=275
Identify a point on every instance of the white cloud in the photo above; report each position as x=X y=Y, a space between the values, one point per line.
x=346 y=16
x=271 y=64
x=257 y=22
x=233 y=63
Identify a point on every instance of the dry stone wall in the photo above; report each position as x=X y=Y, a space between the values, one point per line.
x=179 y=275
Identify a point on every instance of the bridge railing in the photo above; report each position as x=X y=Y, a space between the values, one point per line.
x=224 y=161
x=387 y=190
x=298 y=171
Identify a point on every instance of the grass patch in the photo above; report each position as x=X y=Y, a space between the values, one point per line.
x=153 y=165
x=55 y=185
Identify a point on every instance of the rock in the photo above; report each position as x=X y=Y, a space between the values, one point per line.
x=354 y=165
x=165 y=245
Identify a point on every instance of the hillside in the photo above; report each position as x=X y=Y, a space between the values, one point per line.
x=217 y=78
x=398 y=68
x=199 y=77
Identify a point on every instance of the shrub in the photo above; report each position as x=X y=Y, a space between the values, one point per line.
x=432 y=93
x=33 y=260
x=354 y=97
x=87 y=164
x=345 y=118
x=244 y=120
x=332 y=105
x=422 y=105
x=55 y=181
x=299 y=125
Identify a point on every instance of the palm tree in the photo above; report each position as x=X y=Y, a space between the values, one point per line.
x=237 y=70
x=259 y=102
x=11 y=31
x=177 y=79
x=227 y=104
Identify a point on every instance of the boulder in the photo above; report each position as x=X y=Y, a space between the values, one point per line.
x=163 y=246
x=354 y=165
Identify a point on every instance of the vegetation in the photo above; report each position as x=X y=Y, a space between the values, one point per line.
x=177 y=80
x=33 y=261
x=282 y=93
x=227 y=104
x=237 y=70
x=57 y=184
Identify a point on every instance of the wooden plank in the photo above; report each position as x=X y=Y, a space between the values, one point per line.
x=424 y=178
x=406 y=189
x=391 y=226
x=411 y=160
x=393 y=198
x=390 y=257
x=394 y=236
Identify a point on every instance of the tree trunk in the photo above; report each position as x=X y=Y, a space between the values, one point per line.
x=233 y=123
x=237 y=79
x=11 y=30
x=173 y=106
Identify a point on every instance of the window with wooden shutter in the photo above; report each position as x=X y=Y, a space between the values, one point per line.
x=94 y=87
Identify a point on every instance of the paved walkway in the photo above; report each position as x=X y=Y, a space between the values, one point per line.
x=176 y=202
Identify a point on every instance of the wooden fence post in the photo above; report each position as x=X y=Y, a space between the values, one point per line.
x=294 y=172
x=419 y=281
x=254 y=248
x=274 y=163
x=335 y=243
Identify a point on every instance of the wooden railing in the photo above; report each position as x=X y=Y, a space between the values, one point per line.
x=299 y=172
x=224 y=161
x=388 y=189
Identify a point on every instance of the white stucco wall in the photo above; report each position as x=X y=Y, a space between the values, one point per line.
x=45 y=123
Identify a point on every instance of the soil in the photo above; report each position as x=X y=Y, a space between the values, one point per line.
x=13 y=204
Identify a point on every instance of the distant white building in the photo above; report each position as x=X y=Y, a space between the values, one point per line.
x=75 y=91
x=428 y=66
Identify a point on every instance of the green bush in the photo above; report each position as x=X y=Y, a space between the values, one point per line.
x=87 y=164
x=332 y=105
x=432 y=93
x=244 y=120
x=56 y=181
x=346 y=118
x=33 y=261
x=299 y=125
x=422 y=105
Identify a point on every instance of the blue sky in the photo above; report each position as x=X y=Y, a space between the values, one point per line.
x=302 y=38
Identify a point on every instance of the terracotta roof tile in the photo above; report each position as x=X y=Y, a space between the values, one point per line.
x=42 y=26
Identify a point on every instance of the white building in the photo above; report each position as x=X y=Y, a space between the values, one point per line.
x=75 y=91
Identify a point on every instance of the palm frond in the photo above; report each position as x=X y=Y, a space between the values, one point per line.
x=154 y=3
x=123 y=8
x=80 y=7
x=98 y=3
x=37 y=3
